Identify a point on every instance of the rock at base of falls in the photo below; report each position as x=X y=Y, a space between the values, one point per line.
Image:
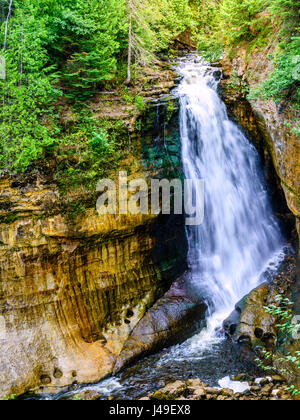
x=173 y=319
x=195 y=389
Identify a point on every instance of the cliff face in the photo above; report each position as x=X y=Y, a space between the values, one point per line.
x=265 y=121
x=73 y=286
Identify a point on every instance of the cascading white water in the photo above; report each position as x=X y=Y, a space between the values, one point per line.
x=239 y=237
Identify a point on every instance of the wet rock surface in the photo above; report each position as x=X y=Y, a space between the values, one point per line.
x=266 y=123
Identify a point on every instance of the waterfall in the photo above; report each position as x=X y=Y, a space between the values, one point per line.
x=239 y=237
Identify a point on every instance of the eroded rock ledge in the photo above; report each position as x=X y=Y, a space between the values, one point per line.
x=74 y=286
x=271 y=388
x=264 y=121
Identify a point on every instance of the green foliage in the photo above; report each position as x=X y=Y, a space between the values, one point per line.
x=209 y=38
x=140 y=103
x=62 y=52
x=11 y=397
x=284 y=81
x=134 y=99
x=283 y=311
x=211 y=48
x=87 y=152
x=100 y=143
x=227 y=24
x=155 y=26
x=92 y=34
x=174 y=16
x=287 y=8
x=292 y=389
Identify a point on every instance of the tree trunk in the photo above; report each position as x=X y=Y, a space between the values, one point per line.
x=128 y=80
x=21 y=58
